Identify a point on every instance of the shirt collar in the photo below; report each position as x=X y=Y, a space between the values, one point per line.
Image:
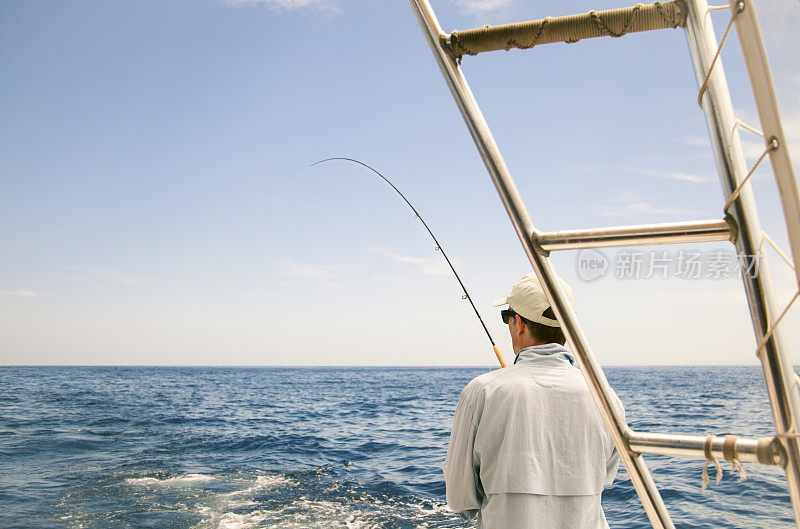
x=536 y=353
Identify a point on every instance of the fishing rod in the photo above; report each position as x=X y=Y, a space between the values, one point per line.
x=497 y=352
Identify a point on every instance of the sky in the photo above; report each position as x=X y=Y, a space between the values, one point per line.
x=157 y=208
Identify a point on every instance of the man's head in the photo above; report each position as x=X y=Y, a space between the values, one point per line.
x=530 y=318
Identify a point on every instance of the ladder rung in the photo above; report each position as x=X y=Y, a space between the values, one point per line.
x=642 y=234
x=766 y=450
x=524 y=35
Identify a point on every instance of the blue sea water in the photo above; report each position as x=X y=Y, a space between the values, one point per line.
x=118 y=447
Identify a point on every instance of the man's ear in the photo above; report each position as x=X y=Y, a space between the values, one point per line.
x=520 y=325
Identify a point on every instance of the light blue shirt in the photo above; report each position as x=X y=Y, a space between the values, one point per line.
x=528 y=442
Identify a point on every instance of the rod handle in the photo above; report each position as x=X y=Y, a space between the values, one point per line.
x=500 y=357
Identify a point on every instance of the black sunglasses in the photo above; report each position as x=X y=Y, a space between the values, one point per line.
x=507 y=314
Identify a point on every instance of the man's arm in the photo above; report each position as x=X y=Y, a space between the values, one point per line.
x=461 y=471
x=612 y=464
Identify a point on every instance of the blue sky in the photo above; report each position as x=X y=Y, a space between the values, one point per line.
x=151 y=211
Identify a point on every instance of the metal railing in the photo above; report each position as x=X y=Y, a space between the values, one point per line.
x=740 y=225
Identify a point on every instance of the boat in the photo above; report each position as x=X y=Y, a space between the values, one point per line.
x=739 y=223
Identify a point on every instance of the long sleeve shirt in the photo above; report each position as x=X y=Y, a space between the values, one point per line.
x=529 y=449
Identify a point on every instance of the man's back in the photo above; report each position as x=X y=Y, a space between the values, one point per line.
x=529 y=448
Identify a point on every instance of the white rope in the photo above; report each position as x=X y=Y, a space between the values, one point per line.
x=739 y=9
x=771 y=146
x=767 y=238
x=729 y=453
x=735 y=464
x=739 y=123
x=745 y=126
x=772 y=327
x=710 y=459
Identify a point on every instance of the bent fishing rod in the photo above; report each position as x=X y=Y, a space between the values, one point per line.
x=497 y=352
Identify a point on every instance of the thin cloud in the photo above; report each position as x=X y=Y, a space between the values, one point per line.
x=288 y=5
x=753 y=149
x=731 y=298
x=431 y=267
x=633 y=209
x=297 y=270
x=483 y=7
x=697 y=141
x=104 y=274
x=673 y=175
x=630 y=203
x=20 y=293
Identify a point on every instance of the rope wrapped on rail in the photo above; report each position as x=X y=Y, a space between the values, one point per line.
x=570 y=29
x=709 y=459
x=729 y=452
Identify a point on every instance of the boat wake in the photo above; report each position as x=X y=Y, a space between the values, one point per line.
x=318 y=498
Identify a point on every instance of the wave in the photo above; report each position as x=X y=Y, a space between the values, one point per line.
x=340 y=448
x=177 y=480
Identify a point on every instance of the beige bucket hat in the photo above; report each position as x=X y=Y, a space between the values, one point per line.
x=527 y=298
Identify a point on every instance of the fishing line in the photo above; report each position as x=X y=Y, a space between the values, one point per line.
x=279 y=193
x=439 y=248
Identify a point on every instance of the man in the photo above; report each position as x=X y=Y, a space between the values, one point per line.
x=529 y=449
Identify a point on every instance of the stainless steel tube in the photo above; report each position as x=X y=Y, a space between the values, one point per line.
x=746 y=450
x=637 y=470
x=755 y=58
x=731 y=165
x=668 y=233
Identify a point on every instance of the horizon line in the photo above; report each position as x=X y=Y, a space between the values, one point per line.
x=353 y=365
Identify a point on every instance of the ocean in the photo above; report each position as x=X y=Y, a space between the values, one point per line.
x=174 y=447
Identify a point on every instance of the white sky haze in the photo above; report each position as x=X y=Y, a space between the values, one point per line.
x=152 y=213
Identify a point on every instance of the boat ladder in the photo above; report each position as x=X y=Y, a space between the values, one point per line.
x=739 y=225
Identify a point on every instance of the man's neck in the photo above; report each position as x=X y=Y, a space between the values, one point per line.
x=525 y=344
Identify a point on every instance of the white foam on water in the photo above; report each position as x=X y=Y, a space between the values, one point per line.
x=320 y=514
x=231 y=520
x=302 y=514
x=264 y=482
x=220 y=514
x=352 y=523
x=177 y=480
x=438 y=507
x=238 y=504
x=252 y=504
x=269 y=482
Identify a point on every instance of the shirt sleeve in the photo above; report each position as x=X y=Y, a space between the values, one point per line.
x=612 y=464
x=461 y=473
